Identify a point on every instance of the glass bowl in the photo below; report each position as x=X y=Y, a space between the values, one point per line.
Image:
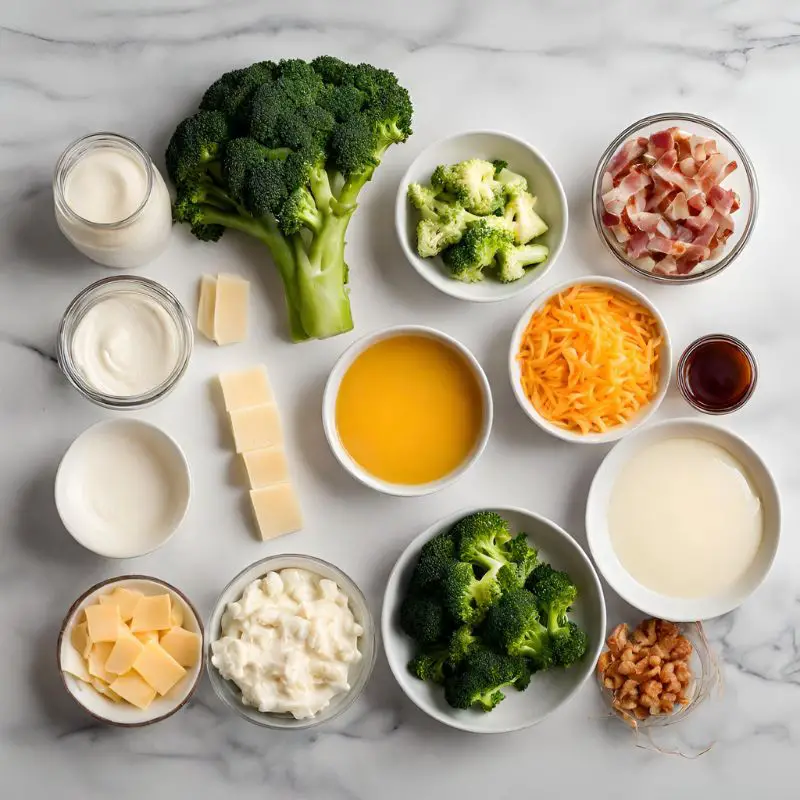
x=742 y=181
x=114 y=287
x=229 y=692
x=690 y=730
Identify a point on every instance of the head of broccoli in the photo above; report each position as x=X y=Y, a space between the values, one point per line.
x=554 y=592
x=513 y=626
x=424 y=619
x=280 y=151
x=481 y=678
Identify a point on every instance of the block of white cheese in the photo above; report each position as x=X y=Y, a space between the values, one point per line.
x=230 y=309
x=255 y=428
x=206 y=305
x=266 y=466
x=245 y=389
x=277 y=510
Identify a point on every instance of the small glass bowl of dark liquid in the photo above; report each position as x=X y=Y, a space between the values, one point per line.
x=717 y=374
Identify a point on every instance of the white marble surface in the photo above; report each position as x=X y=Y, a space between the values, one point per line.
x=567 y=76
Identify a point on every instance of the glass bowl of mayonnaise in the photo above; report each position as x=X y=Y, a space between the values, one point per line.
x=125 y=342
x=291 y=643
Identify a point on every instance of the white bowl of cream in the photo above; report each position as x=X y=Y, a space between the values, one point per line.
x=123 y=488
x=125 y=342
x=683 y=520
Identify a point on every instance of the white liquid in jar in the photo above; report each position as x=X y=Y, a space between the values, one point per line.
x=684 y=518
x=126 y=345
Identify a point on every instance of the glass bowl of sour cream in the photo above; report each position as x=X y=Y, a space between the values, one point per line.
x=125 y=342
x=303 y=643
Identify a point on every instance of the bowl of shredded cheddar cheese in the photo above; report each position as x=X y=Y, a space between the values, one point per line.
x=590 y=360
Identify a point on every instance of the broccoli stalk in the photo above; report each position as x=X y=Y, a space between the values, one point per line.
x=280 y=152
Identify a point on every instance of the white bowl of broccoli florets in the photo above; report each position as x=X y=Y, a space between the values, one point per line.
x=492 y=619
x=481 y=215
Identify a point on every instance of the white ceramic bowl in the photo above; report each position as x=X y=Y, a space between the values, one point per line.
x=522 y=158
x=123 y=714
x=665 y=362
x=359 y=674
x=332 y=391
x=548 y=690
x=599 y=537
x=86 y=527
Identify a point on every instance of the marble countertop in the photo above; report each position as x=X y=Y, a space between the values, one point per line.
x=567 y=76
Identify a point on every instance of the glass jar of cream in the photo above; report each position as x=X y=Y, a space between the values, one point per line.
x=124 y=342
x=111 y=202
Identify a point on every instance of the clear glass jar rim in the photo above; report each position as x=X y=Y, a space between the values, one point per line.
x=63 y=167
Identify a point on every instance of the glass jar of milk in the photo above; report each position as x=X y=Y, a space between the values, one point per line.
x=111 y=201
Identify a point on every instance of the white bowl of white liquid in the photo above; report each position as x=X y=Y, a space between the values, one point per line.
x=683 y=520
x=123 y=488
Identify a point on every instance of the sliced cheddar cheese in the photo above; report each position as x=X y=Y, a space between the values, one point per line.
x=132 y=688
x=125 y=599
x=152 y=613
x=123 y=654
x=158 y=668
x=103 y=622
x=182 y=645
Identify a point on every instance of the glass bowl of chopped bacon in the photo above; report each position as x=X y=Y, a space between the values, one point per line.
x=675 y=198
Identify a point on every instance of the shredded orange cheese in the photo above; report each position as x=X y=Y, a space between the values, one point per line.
x=589 y=359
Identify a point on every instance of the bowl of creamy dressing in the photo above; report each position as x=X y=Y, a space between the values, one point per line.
x=125 y=342
x=291 y=642
x=683 y=520
x=123 y=488
x=111 y=202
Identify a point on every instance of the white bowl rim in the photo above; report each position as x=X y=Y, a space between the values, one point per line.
x=665 y=373
x=331 y=392
x=109 y=582
x=262 y=567
x=186 y=475
x=458 y=289
x=694 y=608
x=388 y=630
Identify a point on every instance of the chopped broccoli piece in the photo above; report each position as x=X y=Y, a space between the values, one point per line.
x=462 y=643
x=429 y=664
x=435 y=557
x=280 y=151
x=476 y=250
x=511 y=181
x=499 y=165
x=569 y=645
x=466 y=597
x=512 y=260
x=525 y=223
x=522 y=556
x=513 y=626
x=554 y=593
x=472 y=183
x=424 y=619
x=482 y=677
x=480 y=538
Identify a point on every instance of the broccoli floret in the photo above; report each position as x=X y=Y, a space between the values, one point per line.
x=482 y=677
x=522 y=556
x=476 y=250
x=280 y=151
x=424 y=619
x=480 y=538
x=512 y=260
x=435 y=557
x=569 y=645
x=525 y=223
x=554 y=593
x=472 y=183
x=499 y=165
x=510 y=181
x=513 y=625
x=466 y=597
x=463 y=641
x=429 y=664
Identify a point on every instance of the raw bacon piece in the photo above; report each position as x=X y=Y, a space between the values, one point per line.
x=607 y=182
x=660 y=191
x=684 y=234
x=629 y=152
x=660 y=142
x=621 y=233
x=714 y=171
x=637 y=245
x=698 y=222
x=697 y=202
x=667 y=169
x=688 y=166
x=678 y=208
x=720 y=199
x=615 y=200
x=649 y=222
x=703 y=239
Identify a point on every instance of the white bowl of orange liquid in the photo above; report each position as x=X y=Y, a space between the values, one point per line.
x=407 y=410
